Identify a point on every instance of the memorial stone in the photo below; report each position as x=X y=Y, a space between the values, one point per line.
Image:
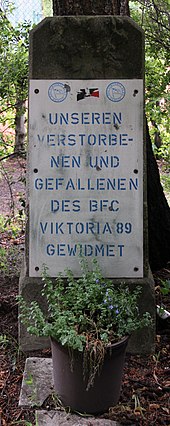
x=86 y=158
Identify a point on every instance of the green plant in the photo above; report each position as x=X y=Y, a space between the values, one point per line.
x=10 y=260
x=3 y=340
x=14 y=42
x=13 y=226
x=165 y=287
x=3 y=259
x=87 y=314
x=152 y=16
x=2 y=223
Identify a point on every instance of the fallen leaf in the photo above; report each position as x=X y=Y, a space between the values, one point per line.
x=166 y=384
x=154 y=406
x=165 y=409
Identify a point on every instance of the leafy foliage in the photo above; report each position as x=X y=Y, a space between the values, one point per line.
x=13 y=73
x=165 y=287
x=86 y=314
x=152 y=15
x=14 y=64
x=10 y=261
x=10 y=256
x=154 y=18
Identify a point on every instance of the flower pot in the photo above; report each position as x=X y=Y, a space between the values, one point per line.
x=71 y=387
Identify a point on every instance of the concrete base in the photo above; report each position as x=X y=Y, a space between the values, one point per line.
x=37 y=386
x=55 y=418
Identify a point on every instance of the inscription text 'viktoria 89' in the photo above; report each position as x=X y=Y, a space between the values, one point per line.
x=86 y=175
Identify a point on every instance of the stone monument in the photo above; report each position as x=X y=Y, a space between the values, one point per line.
x=86 y=157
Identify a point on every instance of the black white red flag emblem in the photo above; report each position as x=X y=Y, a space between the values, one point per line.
x=86 y=93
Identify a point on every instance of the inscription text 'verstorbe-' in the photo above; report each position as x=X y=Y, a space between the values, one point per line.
x=86 y=176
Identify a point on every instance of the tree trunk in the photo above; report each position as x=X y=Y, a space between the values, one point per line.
x=158 y=213
x=158 y=209
x=20 y=132
x=90 y=7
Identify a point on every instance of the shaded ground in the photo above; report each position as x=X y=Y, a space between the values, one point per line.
x=146 y=382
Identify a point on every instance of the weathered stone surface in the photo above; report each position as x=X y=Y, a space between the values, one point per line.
x=30 y=288
x=53 y=418
x=37 y=382
x=90 y=47
x=143 y=341
x=86 y=47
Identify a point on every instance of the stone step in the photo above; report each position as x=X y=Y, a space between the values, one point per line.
x=55 y=418
x=37 y=386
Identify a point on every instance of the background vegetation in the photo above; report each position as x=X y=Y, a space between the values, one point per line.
x=145 y=390
x=152 y=15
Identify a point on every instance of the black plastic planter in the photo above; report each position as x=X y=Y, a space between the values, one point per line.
x=71 y=388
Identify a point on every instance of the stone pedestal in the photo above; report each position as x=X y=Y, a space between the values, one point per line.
x=89 y=48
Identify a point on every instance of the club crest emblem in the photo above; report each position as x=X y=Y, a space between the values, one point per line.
x=57 y=92
x=115 y=92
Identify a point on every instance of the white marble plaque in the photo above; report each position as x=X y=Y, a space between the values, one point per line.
x=86 y=175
